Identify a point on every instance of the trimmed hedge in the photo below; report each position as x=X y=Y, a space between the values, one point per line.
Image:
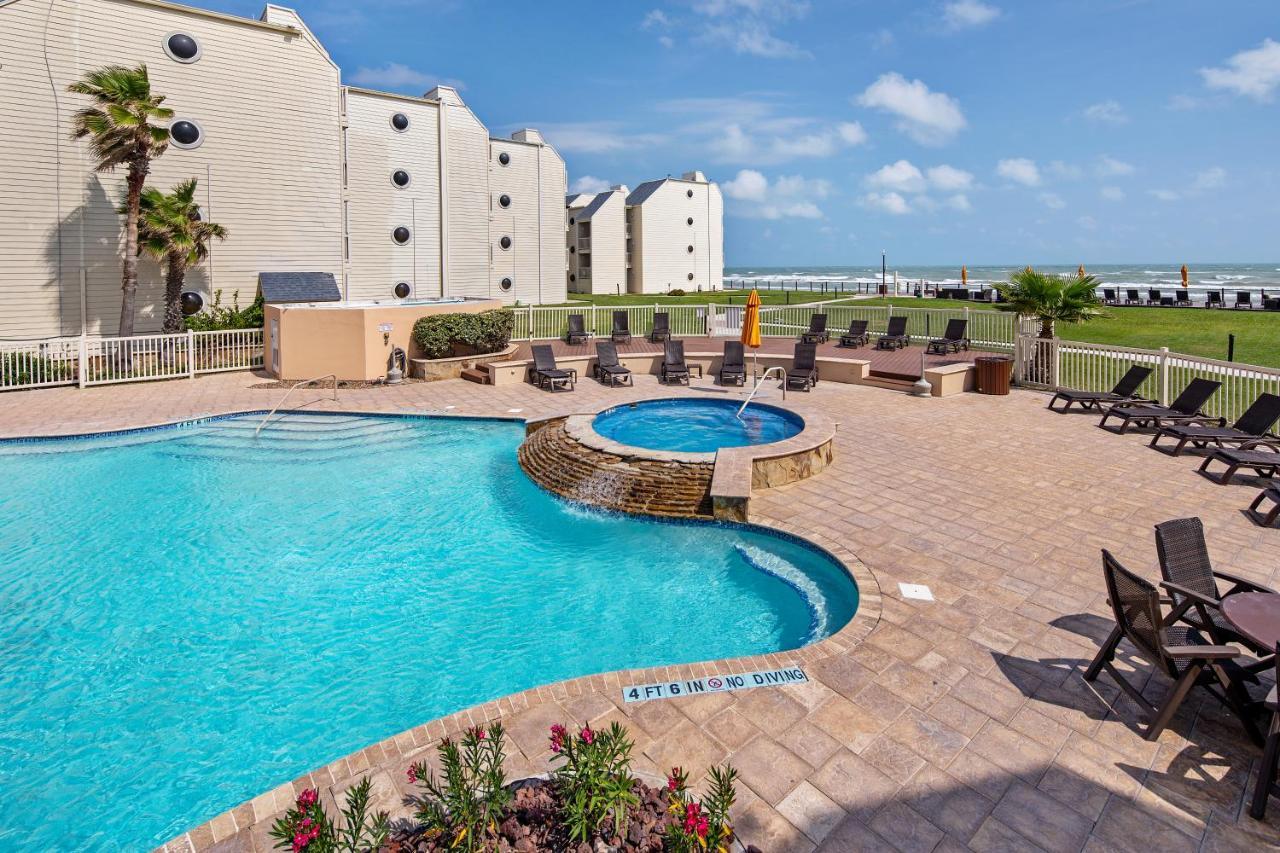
x=446 y=335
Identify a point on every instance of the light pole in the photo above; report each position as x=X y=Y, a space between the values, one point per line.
x=884 y=279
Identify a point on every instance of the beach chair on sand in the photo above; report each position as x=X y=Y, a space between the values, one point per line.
x=1186 y=408
x=733 y=367
x=1125 y=391
x=661 y=327
x=895 y=336
x=804 y=367
x=545 y=373
x=856 y=336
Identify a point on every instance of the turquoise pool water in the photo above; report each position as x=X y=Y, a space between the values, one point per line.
x=191 y=616
x=695 y=426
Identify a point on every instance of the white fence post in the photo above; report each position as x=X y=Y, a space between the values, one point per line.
x=1164 y=376
x=191 y=354
x=82 y=363
x=1057 y=363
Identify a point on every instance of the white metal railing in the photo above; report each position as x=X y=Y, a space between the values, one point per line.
x=294 y=387
x=782 y=371
x=39 y=364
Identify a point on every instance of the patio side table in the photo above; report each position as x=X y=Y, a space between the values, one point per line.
x=1256 y=615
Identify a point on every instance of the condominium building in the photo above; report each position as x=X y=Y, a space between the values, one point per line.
x=388 y=194
x=597 y=242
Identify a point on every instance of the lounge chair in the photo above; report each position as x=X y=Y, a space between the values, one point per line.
x=577 y=333
x=1131 y=297
x=1153 y=296
x=621 y=333
x=608 y=366
x=1178 y=650
x=817 y=333
x=733 y=368
x=1213 y=299
x=661 y=327
x=803 y=373
x=1262 y=457
x=895 y=336
x=673 y=363
x=953 y=338
x=1186 y=408
x=1192 y=583
x=1125 y=391
x=1266 y=787
x=1244 y=299
x=1256 y=423
x=1271 y=493
x=1182 y=297
x=856 y=336
x=545 y=373
x=1109 y=296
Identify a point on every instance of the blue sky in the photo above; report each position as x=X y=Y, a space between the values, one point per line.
x=978 y=131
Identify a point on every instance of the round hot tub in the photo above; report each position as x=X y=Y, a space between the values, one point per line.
x=695 y=426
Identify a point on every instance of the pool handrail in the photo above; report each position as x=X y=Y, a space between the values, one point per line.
x=763 y=376
x=293 y=388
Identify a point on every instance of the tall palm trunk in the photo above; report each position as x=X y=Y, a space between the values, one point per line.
x=1046 y=327
x=129 y=271
x=174 y=277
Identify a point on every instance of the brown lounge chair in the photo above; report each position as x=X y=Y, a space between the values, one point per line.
x=1186 y=408
x=1131 y=297
x=1254 y=424
x=856 y=336
x=817 y=333
x=577 y=333
x=608 y=367
x=1266 y=786
x=1262 y=457
x=1271 y=493
x=673 y=364
x=661 y=327
x=1125 y=391
x=952 y=339
x=545 y=373
x=803 y=373
x=1244 y=299
x=621 y=333
x=733 y=367
x=895 y=335
x=1178 y=650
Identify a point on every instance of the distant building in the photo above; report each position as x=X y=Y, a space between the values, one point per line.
x=597 y=242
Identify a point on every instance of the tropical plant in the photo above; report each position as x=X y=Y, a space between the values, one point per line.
x=218 y=317
x=1051 y=298
x=121 y=132
x=594 y=781
x=306 y=826
x=172 y=230
x=465 y=806
x=701 y=825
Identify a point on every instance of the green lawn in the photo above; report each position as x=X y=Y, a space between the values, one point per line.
x=718 y=297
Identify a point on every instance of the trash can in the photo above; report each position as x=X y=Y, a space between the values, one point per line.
x=994 y=374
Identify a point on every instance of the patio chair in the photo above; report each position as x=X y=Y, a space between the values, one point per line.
x=1182 y=297
x=953 y=338
x=895 y=336
x=1109 y=296
x=1261 y=456
x=545 y=373
x=1125 y=391
x=608 y=366
x=621 y=333
x=673 y=363
x=803 y=373
x=1244 y=299
x=577 y=333
x=1213 y=299
x=1153 y=296
x=1266 y=787
x=1131 y=297
x=817 y=333
x=733 y=368
x=856 y=336
x=1178 y=650
x=661 y=327
x=1187 y=407
x=1254 y=424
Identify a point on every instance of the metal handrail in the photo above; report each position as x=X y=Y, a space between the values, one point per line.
x=781 y=370
x=293 y=388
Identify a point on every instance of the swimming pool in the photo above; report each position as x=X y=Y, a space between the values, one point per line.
x=695 y=426
x=190 y=616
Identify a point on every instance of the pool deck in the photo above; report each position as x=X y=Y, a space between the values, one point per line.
x=957 y=724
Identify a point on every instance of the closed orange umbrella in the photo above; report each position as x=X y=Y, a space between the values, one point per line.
x=964 y=276
x=1184 y=275
x=751 y=325
x=1080 y=271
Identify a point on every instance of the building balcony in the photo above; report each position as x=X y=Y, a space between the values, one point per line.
x=584 y=244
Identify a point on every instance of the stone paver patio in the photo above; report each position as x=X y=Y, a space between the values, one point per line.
x=957 y=724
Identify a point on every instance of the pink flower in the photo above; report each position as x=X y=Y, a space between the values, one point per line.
x=587 y=735
x=477 y=733
x=413 y=773
x=308 y=798
x=558 y=734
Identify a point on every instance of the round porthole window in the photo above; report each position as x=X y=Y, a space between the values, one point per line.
x=504 y=158
x=689 y=221
x=573 y=249
x=505 y=284
x=198 y=214
x=403 y=289
x=400 y=122
x=572 y=277
x=191 y=303
x=505 y=242
x=691 y=250
x=401 y=235
x=400 y=178
x=571 y=220
x=690 y=276
x=185 y=133
x=504 y=200
x=689 y=193
x=182 y=47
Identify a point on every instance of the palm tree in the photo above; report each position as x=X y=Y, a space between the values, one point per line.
x=121 y=133
x=172 y=230
x=1051 y=298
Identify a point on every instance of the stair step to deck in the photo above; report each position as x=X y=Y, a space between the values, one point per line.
x=476 y=374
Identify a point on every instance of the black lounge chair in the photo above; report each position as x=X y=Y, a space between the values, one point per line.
x=673 y=363
x=817 y=333
x=577 y=333
x=1178 y=650
x=1262 y=457
x=1132 y=297
x=1213 y=299
x=1182 y=297
x=953 y=338
x=621 y=333
x=1109 y=296
x=1125 y=391
x=856 y=336
x=1266 y=787
x=1244 y=299
x=545 y=373
x=1192 y=583
x=661 y=327
x=608 y=366
x=1271 y=493
x=733 y=368
x=1185 y=409
x=895 y=336
x=1153 y=296
x=1256 y=423
x=803 y=373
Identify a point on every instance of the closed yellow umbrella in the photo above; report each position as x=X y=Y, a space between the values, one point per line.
x=1080 y=271
x=1184 y=275
x=751 y=326
x=964 y=276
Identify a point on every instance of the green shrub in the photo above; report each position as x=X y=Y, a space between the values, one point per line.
x=676 y=291
x=445 y=335
x=306 y=826
x=217 y=317
x=22 y=368
x=464 y=807
x=594 y=779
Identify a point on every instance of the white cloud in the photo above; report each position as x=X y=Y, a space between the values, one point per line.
x=946 y=177
x=1065 y=171
x=892 y=183
x=656 y=19
x=851 y=133
x=959 y=202
x=1088 y=223
x=1112 y=193
x=745 y=26
x=1020 y=170
x=888 y=202
x=787 y=197
x=667 y=41
x=1210 y=179
x=902 y=176
x=964 y=14
x=1110 y=167
x=783 y=141
x=1253 y=73
x=589 y=184
x=594 y=137
x=930 y=118
x=396 y=75
x=1165 y=195
x=749 y=185
x=1109 y=112
x=1053 y=201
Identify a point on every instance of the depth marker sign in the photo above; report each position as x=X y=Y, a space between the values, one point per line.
x=714 y=684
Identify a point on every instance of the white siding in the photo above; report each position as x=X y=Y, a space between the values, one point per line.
x=608 y=245
x=551 y=198
x=662 y=235
x=467 y=191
